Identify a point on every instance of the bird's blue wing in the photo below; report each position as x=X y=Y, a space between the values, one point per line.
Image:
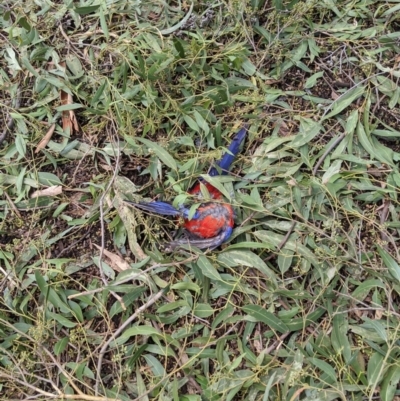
x=227 y=159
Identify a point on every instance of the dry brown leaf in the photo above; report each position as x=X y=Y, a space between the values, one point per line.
x=258 y=345
x=69 y=120
x=379 y=314
x=50 y=191
x=45 y=140
x=271 y=81
x=153 y=16
x=106 y=167
x=66 y=120
x=116 y=262
x=74 y=121
x=284 y=129
x=334 y=95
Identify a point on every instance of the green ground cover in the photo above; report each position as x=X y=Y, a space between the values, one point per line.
x=108 y=100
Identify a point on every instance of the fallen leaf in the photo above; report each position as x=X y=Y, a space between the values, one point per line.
x=50 y=191
x=116 y=262
x=74 y=121
x=334 y=95
x=69 y=121
x=45 y=140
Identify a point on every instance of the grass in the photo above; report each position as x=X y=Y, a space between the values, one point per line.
x=108 y=101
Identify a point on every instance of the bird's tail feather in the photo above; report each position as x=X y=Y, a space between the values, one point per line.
x=158 y=207
x=228 y=157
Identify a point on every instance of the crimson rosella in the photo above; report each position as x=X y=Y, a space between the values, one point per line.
x=212 y=222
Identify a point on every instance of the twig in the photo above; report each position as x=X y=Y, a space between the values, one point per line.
x=383 y=217
x=131 y=278
x=10 y=124
x=26 y=384
x=12 y=204
x=276 y=343
x=101 y=202
x=332 y=146
x=72 y=245
x=50 y=355
x=283 y=242
x=103 y=350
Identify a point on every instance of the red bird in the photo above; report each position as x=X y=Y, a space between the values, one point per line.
x=212 y=222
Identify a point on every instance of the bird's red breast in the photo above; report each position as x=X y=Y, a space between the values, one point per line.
x=214 y=217
x=196 y=190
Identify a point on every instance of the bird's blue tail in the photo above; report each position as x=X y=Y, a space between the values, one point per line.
x=164 y=208
x=227 y=159
x=158 y=207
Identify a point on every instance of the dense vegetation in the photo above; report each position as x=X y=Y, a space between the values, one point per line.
x=104 y=101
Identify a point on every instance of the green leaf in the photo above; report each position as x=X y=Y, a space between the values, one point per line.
x=391 y=10
x=216 y=182
x=180 y=24
x=208 y=269
x=86 y=10
x=333 y=169
x=339 y=338
x=302 y=322
x=155 y=365
x=345 y=100
x=285 y=260
x=390 y=263
x=60 y=319
x=186 y=286
x=41 y=282
x=76 y=310
x=364 y=288
x=48 y=179
x=203 y=310
x=246 y=258
x=311 y=81
x=50 y=294
x=172 y=305
x=324 y=367
x=351 y=122
x=375 y=369
x=103 y=23
x=127 y=299
x=390 y=382
x=377 y=326
x=382 y=152
x=201 y=122
x=269 y=386
x=20 y=144
x=309 y=129
x=98 y=94
x=72 y=106
x=24 y=23
x=141 y=331
x=191 y=123
x=11 y=59
x=262 y=315
x=236 y=84
x=141 y=385
x=222 y=316
x=294 y=245
x=161 y=153
x=248 y=67
x=60 y=346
